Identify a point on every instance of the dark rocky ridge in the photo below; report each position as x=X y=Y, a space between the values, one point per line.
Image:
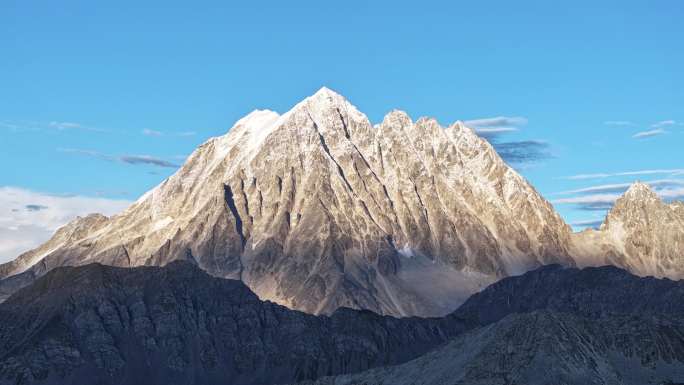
x=555 y=325
x=178 y=325
x=545 y=348
x=590 y=292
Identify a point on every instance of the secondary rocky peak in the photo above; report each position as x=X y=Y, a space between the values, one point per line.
x=640 y=233
x=638 y=203
x=640 y=191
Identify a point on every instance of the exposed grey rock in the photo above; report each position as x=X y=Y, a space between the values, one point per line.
x=590 y=292
x=177 y=325
x=555 y=325
x=545 y=348
x=641 y=233
x=318 y=209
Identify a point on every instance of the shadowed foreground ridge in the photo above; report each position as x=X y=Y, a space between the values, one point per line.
x=545 y=348
x=555 y=325
x=97 y=324
x=178 y=325
x=589 y=292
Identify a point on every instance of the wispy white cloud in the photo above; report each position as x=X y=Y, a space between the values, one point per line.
x=186 y=133
x=156 y=133
x=521 y=153
x=664 y=123
x=676 y=171
x=149 y=132
x=29 y=218
x=589 y=199
x=618 y=123
x=65 y=125
x=672 y=193
x=524 y=151
x=593 y=202
x=496 y=125
x=129 y=159
x=495 y=130
x=497 y=121
x=146 y=159
x=595 y=223
x=9 y=126
x=622 y=187
x=649 y=133
x=24 y=125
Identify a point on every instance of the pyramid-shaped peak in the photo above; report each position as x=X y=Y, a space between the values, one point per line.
x=640 y=189
x=326 y=95
x=326 y=91
x=325 y=101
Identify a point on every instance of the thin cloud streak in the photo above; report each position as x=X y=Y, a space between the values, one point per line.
x=514 y=152
x=156 y=133
x=495 y=130
x=622 y=187
x=64 y=125
x=605 y=201
x=497 y=121
x=128 y=159
x=676 y=171
x=522 y=151
x=489 y=128
x=589 y=199
x=148 y=132
x=146 y=159
x=618 y=123
x=594 y=223
x=35 y=207
x=664 y=123
x=649 y=133
x=186 y=133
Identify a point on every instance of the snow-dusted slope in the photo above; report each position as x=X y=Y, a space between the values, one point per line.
x=317 y=209
x=641 y=233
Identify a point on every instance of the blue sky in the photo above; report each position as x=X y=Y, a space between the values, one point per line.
x=103 y=101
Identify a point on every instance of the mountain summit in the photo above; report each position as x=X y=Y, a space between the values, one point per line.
x=641 y=233
x=317 y=209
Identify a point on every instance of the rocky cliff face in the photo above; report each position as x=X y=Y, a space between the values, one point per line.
x=544 y=348
x=178 y=325
x=641 y=233
x=318 y=209
x=589 y=292
x=555 y=325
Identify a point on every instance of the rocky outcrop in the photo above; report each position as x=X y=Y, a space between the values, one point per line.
x=641 y=233
x=178 y=325
x=317 y=209
x=555 y=325
x=545 y=348
x=589 y=292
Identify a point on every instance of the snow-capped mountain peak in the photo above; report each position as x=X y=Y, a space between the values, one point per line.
x=639 y=191
x=317 y=209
